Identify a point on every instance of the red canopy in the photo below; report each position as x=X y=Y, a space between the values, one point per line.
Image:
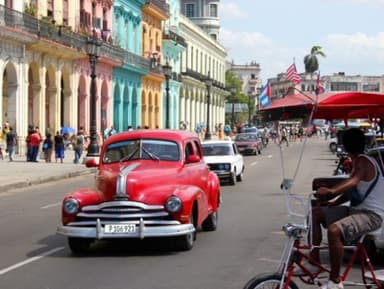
x=340 y=105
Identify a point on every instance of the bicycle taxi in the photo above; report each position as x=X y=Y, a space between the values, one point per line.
x=295 y=255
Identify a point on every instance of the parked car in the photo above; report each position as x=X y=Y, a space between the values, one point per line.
x=247 y=129
x=225 y=160
x=249 y=143
x=149 y=183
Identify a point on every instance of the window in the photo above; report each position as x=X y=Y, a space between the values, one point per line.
x=50 y=8
x=65 y=12
x=343 y=86
x=190 y=10
x=213 y=10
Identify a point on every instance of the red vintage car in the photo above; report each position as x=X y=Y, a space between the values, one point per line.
x=149 y=183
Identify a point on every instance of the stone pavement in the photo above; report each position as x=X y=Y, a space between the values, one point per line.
x=20 y=173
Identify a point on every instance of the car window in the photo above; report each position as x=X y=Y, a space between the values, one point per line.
x=197 y=148
x=141 y=149
x=188 y=150
x=217 y=150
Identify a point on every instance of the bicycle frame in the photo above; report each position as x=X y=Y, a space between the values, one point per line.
x=293 y=253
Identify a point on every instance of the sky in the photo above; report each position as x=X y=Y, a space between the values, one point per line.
x=276 y=33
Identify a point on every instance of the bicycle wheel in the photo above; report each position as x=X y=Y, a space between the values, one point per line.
x=267 y=281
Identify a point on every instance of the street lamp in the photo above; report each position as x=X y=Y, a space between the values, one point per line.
x=208 y=84
x=167 y=70
x=233 y=92
x=249 y=107
x=93 y=50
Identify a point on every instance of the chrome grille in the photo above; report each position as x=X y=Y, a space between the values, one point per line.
x=122 y=211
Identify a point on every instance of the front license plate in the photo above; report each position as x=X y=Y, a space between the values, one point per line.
x=119 y=228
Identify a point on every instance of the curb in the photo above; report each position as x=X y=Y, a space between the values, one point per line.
x=38 y=181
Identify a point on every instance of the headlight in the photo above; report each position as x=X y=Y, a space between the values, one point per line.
x=173 y=204
x=71 y=206
x=225 y=167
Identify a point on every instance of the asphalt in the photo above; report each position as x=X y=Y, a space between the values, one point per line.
x=20 y=173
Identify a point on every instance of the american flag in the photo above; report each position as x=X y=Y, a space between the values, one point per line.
x=292 y=74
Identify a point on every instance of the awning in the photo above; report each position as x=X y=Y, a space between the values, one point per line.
x=340 y=105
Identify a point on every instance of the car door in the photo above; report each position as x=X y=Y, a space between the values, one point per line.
x=238 y=159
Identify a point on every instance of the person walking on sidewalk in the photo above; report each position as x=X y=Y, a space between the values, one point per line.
x=35 y=144
x=48 y=148
x=59 y=147
x=78 y=146
x=11 y=140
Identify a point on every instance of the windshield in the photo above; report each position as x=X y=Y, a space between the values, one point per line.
x=246 y=137
x=217 y=150
x=146 y=149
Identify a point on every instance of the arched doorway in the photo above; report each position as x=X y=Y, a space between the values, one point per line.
x=104 y=106
x=8 y=103
x=116 y=108
x=81 y=103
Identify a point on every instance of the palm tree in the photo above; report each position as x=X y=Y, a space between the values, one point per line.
x=311 y=62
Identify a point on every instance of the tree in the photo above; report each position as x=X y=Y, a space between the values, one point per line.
x=311 y=62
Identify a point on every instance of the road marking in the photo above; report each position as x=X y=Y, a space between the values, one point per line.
x=269 y=156
x=254 y=163
x=269 y=260
x=30 y=260
x=51 y=205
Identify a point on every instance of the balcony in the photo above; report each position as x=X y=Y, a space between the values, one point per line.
x=170 y=35
x=160 y=6
x=40 y=32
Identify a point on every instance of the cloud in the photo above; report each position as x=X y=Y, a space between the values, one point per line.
x=357 y=53
x=232 y=10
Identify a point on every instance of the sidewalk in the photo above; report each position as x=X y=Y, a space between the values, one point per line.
x=20 y=173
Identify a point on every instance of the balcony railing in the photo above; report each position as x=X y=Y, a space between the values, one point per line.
x=136 y=60
x=17 y=20
x=170 y=35
x=160 y=4
x=47 y=30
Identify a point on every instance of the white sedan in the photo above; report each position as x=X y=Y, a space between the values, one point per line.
x=224 y=159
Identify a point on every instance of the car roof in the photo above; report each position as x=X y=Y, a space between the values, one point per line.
x=218 y=142
x=166 y=134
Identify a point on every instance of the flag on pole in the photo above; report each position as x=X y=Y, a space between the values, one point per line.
x=265 y=96
x=292 y=74
x=319 y=88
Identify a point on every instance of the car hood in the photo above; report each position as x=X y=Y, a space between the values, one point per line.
x=218 y=159
x=146 y=182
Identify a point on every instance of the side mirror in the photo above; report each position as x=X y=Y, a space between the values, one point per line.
x=193 y=159
x=92 y=163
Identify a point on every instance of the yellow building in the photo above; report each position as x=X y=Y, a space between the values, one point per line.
x=154 y=12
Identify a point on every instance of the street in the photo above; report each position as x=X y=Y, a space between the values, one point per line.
x=248 y=240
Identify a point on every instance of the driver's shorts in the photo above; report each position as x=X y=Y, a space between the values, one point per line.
x=353 y=223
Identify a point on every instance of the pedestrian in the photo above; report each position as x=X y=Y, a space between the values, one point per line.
x=11 y=141
x=108 y=132
x=348 y=223
x=284 y=136
x=48 y=148
x=59 y=147
x=34 y=145
x=79 y=141
x=28 y=142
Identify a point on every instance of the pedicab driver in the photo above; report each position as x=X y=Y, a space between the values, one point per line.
x=348 y=223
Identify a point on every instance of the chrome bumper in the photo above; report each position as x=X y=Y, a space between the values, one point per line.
x=141 y=232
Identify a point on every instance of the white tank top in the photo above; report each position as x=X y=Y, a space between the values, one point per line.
x=375 y=200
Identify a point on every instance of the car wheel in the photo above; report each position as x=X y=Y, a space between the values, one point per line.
x=232 y=179
x=79 y=245
x=240 y=177
x=185 y=242
x=210 y=223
